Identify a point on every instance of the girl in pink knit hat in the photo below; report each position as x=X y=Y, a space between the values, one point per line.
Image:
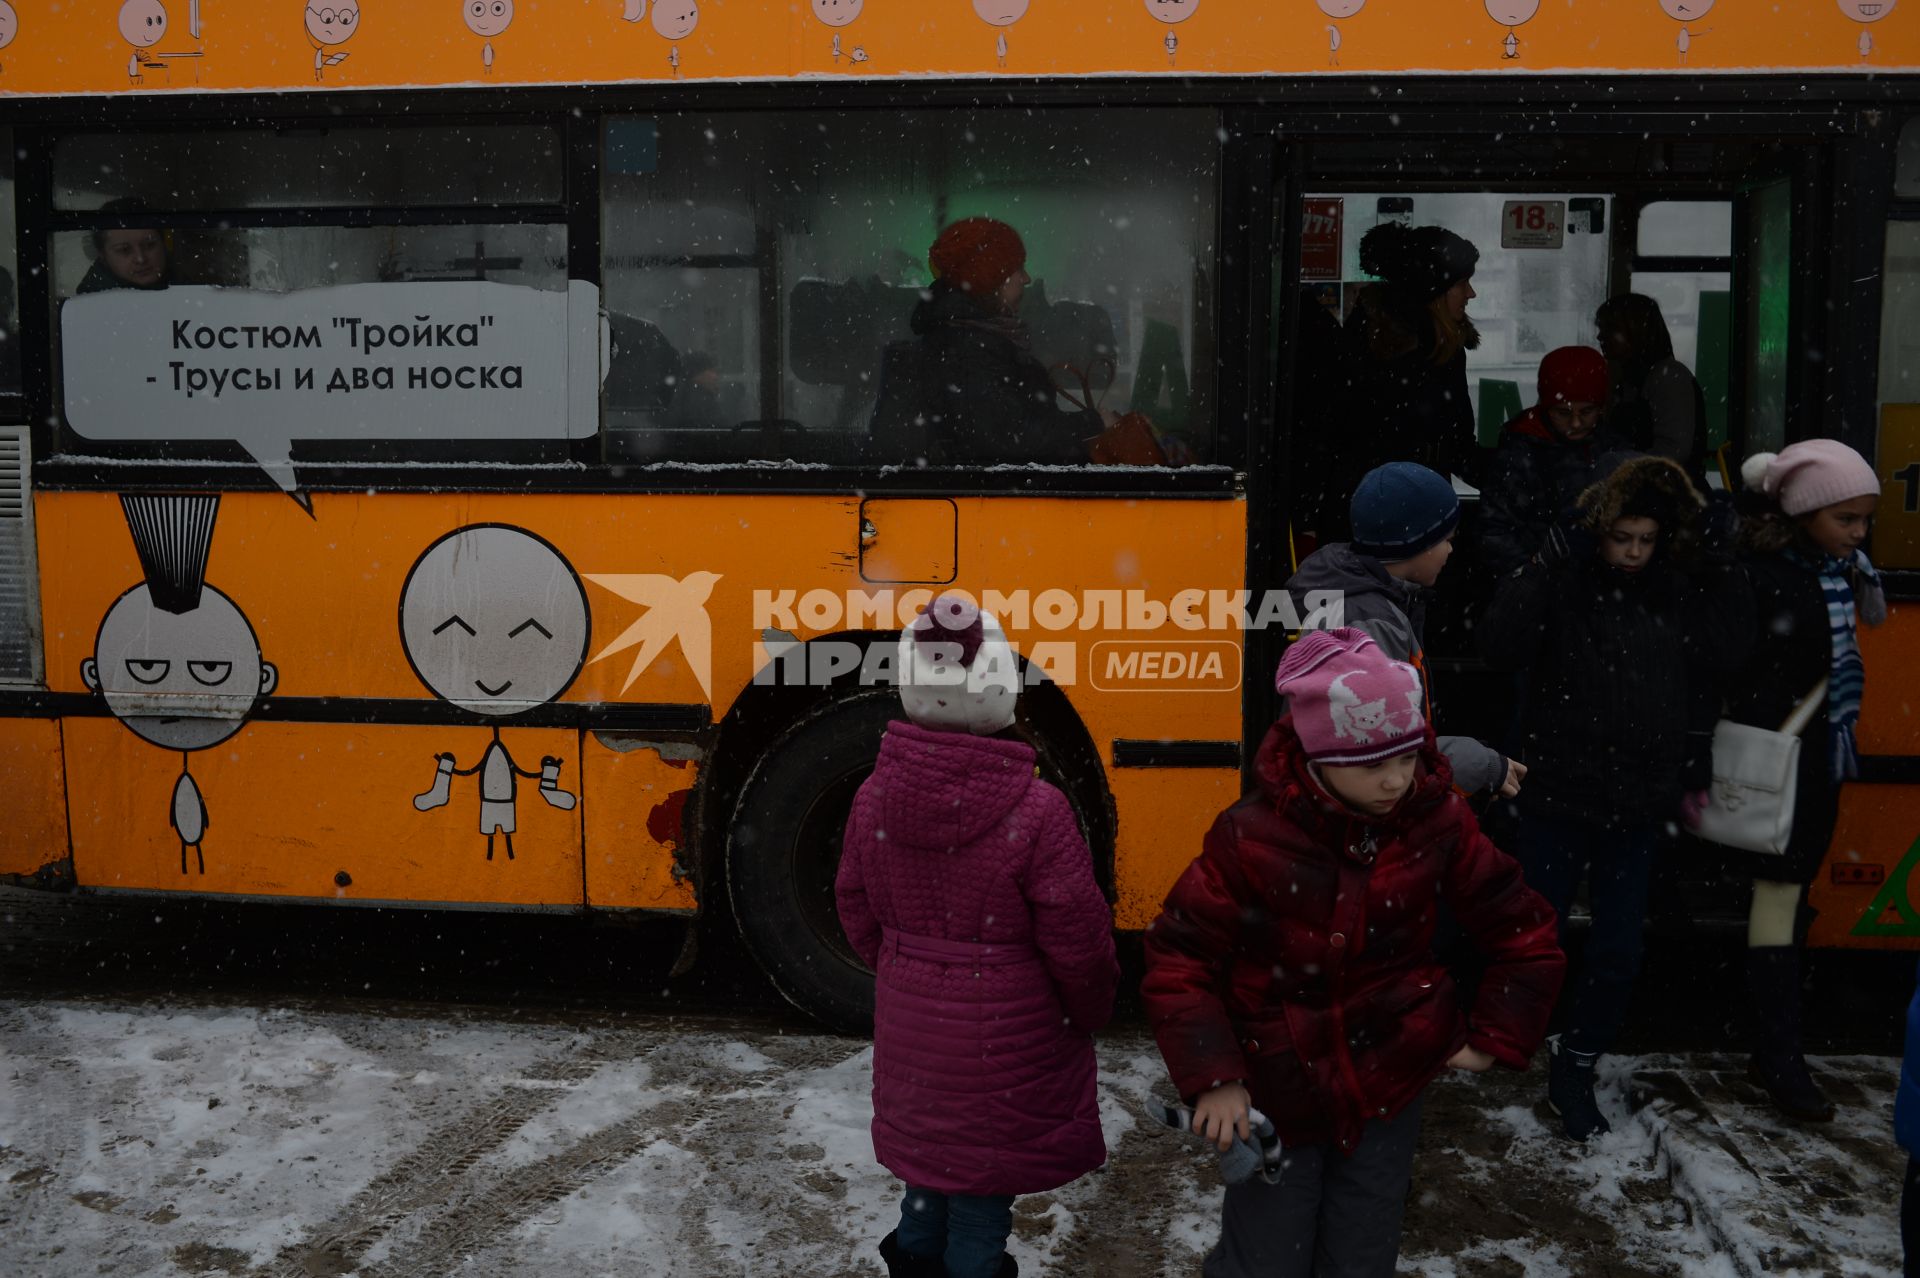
x=1292 y=968
x=1809 y=509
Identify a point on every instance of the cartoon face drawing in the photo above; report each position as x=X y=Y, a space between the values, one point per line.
x=1867 y=10
x=675 y=19
x=9 y=24
x=143 y=22
x=1512 y=13
x=494 y=620
x=487 y=17
x=207 y=657
x=1685 y=10
x=1341 y=8
x=1172 y=11
x=1000 y=13
x=332 y=21
x=838 y=13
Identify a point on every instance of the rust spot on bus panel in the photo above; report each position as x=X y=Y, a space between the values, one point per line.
x=54 y=876
x=666 y=817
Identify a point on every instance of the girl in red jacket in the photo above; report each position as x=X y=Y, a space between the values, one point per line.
x=1292 y=967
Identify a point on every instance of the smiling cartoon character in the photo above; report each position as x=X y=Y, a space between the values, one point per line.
x=1001 y=13
x=494 y=620
x=1683 y=12
x=1172 y=12
x=142 y=23
x=837 y=14
x=9 y=25
x=330 y=23
x=1511 y=14
x=487 y=19
x=1337 y=9
x=1867 y=11
x=176 y=660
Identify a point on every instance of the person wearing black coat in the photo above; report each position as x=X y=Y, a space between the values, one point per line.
x=1400 y=391
x=1619 y=622
x=1809 y=509
x=1547 y=457
x=977 y=394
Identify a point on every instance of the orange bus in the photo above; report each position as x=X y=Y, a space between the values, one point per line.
x=414 y=419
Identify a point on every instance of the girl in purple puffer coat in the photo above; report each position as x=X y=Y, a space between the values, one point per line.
x=965 y=884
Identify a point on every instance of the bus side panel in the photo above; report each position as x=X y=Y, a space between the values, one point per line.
x=1168 y=813
x=1866 y=891
x=33 y=831
x=635 y=808
x=317 y=811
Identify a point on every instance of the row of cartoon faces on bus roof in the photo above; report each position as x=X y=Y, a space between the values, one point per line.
x=493 y=621
x=331 y=23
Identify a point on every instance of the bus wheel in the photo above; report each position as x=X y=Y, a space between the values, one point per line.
x=784 y=848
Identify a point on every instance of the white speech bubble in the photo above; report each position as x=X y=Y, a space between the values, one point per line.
x=466 y=359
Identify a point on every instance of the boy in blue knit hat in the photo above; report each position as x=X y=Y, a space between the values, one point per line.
x=1404 y=516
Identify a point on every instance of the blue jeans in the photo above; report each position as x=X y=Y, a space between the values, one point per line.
x=1555 y=854
x=968 y=1233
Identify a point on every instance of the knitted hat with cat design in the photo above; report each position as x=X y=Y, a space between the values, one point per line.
x=1351 y=703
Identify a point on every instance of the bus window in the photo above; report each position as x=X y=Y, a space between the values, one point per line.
x=178 y=258
x=424 y=166
x=1906 y=169
x=1683 y=259
x=1896 y=540
x=767 y=271
x=1542 y=275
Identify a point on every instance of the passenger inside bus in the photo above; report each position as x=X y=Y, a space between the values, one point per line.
x=1657 y=404
x=697 y=399
x=969 y=378
x=1400 y=389
x=1547 y=456
x=126 y=256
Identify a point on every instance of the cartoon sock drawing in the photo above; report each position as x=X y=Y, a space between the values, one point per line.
x=441 y=790
x=550 y=786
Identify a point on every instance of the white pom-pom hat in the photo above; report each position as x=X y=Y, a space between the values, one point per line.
x=1810 y=475
x=957 y=671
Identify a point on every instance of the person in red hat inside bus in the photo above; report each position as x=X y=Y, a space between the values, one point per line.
x=978 y=391
x=1546 y=458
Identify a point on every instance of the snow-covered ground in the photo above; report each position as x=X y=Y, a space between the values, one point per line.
x=165 y=1140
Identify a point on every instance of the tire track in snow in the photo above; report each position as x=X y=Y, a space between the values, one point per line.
x=426 y=1178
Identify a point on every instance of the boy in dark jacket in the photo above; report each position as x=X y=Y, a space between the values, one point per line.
x=1293 y=969
x=1618 y=643
x=1403 y=518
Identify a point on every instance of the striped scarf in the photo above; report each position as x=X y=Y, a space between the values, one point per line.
x=1847 y=683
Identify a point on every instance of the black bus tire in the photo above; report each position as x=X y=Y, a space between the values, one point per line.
x=783 y=848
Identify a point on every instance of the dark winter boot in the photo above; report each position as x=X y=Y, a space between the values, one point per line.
x=1570 y=1090
x=1773 y=981
x=904 y=1264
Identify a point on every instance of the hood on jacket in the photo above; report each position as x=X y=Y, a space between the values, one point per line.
x=943 y=790
x=1283 y=771
x=1341 y=567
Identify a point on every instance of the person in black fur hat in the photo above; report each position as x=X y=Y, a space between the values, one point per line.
x=1400 y=390
x=1620 y=622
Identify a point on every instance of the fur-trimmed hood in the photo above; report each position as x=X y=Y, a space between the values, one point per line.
x=1770 y=531
x=1652 y=487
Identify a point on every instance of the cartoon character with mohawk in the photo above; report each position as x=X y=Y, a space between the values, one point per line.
x=176 y=660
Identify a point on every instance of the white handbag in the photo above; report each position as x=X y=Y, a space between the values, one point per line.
x=1750 y=804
